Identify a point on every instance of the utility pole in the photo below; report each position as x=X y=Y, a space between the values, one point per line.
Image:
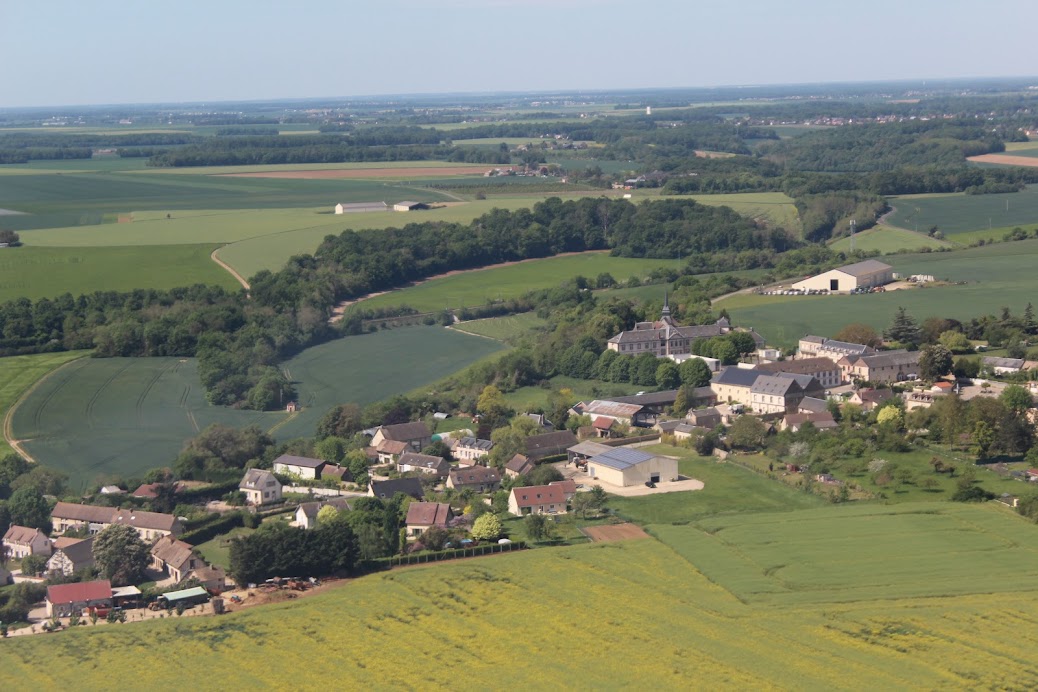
x=852 y=234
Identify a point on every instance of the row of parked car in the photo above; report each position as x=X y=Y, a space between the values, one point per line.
x=796 y=292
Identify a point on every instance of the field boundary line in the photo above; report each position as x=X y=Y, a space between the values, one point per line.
x=238 y=277
x=9 y=416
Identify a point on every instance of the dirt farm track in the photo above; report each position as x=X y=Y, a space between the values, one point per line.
x=418 y=172
x=614 y=532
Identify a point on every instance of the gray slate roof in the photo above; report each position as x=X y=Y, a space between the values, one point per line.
x=775 y=385
x=302 y=462
x=865 y=268
x=737 y=377
x=621 y=458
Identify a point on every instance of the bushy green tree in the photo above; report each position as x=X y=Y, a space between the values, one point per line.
x=667 y=375
x=695 y=373
x=121 y=555
x=28 y=508
x=934 y=361
x=487 y=527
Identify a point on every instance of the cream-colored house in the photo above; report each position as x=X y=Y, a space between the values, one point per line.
x=885 y=367
x=150 y=525
x=417 y=435
x=21 y=542
x=421 y=516
x=71 y=555
x=537 y=499
x=624 y=466
x=174 y=557
x=302 y=467
x=260 y=487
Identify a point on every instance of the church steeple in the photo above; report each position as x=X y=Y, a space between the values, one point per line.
x=666 y=307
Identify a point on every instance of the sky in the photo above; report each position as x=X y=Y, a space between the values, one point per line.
x=70 y=52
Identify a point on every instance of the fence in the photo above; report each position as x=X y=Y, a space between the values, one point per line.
x=384 y=563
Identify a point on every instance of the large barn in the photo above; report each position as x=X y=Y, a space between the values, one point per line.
x=861 y=275
x=624 y=466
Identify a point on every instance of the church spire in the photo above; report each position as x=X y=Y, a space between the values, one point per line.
x=666 y=306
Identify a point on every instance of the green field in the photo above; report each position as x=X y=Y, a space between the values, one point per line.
x=957 y=214
x=481 y=286
x=996 y=275
x=932 y=597
x=503 y=328
x=54 y=200
x=19 y=373
x=123 y=416
x=888 y=240
x=775 y=208
x=48 y=272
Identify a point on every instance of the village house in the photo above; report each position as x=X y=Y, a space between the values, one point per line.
x=68 y=515
x=775 y=394
x=822 y=369
x=537 y=499
x=918 y=399
x=549 y=444
x=175 y=558
x=606 y=427
x=21 y=541
x=421 y=516
x=665 y=337
x=471 y=449
x=885 y=367
x=1001 y=366
x=569 y=488
x=306 y=513
x=810 y=404
x=625 y=414
x=683 y=431
x=389 y=451
x=64 y=600
x=211 y=577
x=71 y=555
x=821 y=421
x=260 y=487
x=424 y=463
x=708 y=418
x=519 y=465
x=820 y=347
x=385 y=490
x=150 y=491
x=480 y=479
x=301 y=467
x=150 y=525
x=869 y=399
x=416 y=435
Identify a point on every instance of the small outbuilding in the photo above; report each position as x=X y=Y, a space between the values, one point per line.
x=64 y=600
x=409 y=206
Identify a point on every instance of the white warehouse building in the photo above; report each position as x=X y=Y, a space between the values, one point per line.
x=861 y=275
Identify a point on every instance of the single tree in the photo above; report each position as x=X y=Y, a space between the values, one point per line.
x=956 y=342
x=904 y=329
x=934 y=361
x=486 y=528
x=8 y=237
x=1016 y=399
x=537 y=527
x=121 y=555
x=891 y=416
x=747 y=432
x=28 y=508
x=667 y=375
x=695 y=373
x=858 y=333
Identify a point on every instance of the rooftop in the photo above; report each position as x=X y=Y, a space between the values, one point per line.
x=621 y=458
x=865 y=268
x=81 y=592
x=302 y=462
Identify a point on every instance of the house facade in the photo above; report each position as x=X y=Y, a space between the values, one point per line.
x=471 y=449
x=423 y=463
x=175 y=558
x=21 y=542
x=421 y=516
x=151 y=526
x=665 y=337
x=302 y=467
x=774 y=394
x=64 y=600
x=261 y=487
x=821 y=347
x=885 y=367
x=825 y=370
x=518 y=465
x=537 y=499
x=306 y=513
x=480 y=479
x=71 y=555
x=416 y=435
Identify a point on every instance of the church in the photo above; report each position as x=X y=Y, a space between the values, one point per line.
x=667 y=338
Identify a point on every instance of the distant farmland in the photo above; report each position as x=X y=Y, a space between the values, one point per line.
x=996 y=275
x=956 y=214
x=124 y=416
x=48 y=272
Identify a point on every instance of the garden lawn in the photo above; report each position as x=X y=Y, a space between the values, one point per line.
x=728 y=489
x=218 y=550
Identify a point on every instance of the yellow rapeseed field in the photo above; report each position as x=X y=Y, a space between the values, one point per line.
x=621 y=615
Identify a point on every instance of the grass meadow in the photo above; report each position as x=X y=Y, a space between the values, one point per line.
x=505 y=328
x=48 y=272
x=794 y=600
x=775 y=208
x=99 y=418
x=959 y=214
x=479 y=287
x=19 y=373
x=888 y=240
x=995 y=275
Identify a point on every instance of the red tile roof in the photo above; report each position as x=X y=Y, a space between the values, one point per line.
x=81 y=592
x=534 y=495
x=428 y=514
x=603 y=423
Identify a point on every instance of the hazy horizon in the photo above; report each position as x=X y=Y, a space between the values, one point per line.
x=115 y=53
